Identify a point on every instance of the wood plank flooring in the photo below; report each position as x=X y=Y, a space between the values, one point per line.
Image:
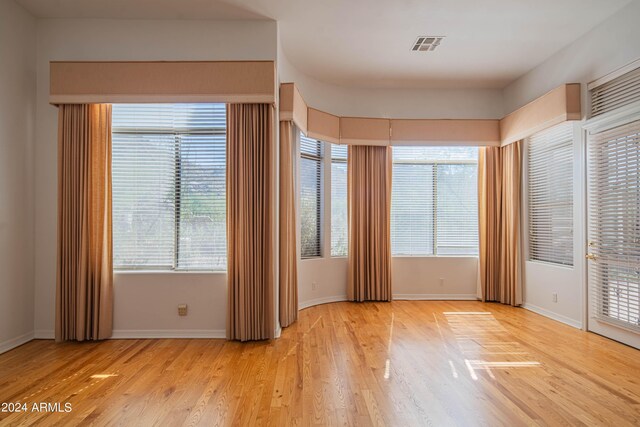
x=398 y=364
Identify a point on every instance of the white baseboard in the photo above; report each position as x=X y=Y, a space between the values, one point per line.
x=119 y=334
x=551 y=315
x=318 y=301
x=44 y=334
x=412 y=297
x=436 y=297
x=15 y=342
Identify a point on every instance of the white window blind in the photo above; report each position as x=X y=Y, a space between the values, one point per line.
x=434 y=203
x=311 y=155
x=339 y=220
x=614 y=224
x=621 y=91
x=169 y=186
x=550 y=195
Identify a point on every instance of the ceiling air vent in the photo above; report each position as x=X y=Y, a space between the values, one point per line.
x=426 y=43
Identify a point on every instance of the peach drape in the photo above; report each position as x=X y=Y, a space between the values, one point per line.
x=288 y=277
x=250 y=222
x=369 y=203
x=499 y=202
x=84 y=283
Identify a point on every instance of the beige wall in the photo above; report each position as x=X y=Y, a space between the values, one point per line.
x=144 y=303
x=17 y=116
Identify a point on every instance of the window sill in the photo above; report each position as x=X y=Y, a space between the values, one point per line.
x=208 y=272
x=550 y=264
x=434 y=256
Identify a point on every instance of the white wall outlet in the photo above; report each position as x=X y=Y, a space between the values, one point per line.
x=441 y=281
x=314 y=286
x=554 y=296
x=182 y=309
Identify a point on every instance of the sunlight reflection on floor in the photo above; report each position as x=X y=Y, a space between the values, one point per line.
x=485 y=344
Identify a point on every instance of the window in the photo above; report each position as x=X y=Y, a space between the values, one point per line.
x=434 y=203
x=311 y=155
x=615 y=93
x=339 y=220
x=550 y=176
x=169 y=186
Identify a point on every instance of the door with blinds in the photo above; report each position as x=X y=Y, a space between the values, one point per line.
x=614 y=230
x=613 y=252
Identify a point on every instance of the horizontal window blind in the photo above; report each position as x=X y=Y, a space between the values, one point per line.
x=457 y=209
x=621 y=91
x=412 y=208
x=169 y=165
x=434 y=203
x=614 y=224
x=550 y=195
x=311 y=155
x=339 y=220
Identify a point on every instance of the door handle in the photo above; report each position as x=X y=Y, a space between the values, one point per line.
x=592 y=257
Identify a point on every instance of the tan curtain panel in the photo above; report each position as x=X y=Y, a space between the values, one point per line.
x=250 y=227
x=499 y=202
x=84 y=285
x=369 y=205
x=288 y=251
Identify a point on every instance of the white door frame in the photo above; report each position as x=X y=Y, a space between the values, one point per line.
x=616 y=118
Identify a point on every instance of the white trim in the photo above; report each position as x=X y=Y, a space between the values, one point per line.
x=554 y=316
x=614 y=74
x=167 y=333
x=318 y=301
x=44 y=334
x=15 y=342
x=399 y=297
x=435 y=297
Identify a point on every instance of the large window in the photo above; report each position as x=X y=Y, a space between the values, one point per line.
x=550 y=176
x=311 y=155
x=434 y=203
x=339 y=220
x=169 y=186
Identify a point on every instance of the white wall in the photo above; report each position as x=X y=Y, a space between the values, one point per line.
x=413 y=278
x=611 y=45
x=446 y=278
x=330 y=278
x=144 y=303
x=543 y=280
x=393 y=103
x=17 y=116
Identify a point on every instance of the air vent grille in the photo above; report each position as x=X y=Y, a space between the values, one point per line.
x=426 y=43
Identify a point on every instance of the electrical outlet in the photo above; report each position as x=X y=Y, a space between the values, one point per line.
x=182 y=309
x=314 y=285
x=555 y=296
x=441 y=281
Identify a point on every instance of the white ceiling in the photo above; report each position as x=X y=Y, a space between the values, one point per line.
x=367 y=43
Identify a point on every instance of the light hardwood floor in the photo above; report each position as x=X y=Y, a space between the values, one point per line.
x=400 y=363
